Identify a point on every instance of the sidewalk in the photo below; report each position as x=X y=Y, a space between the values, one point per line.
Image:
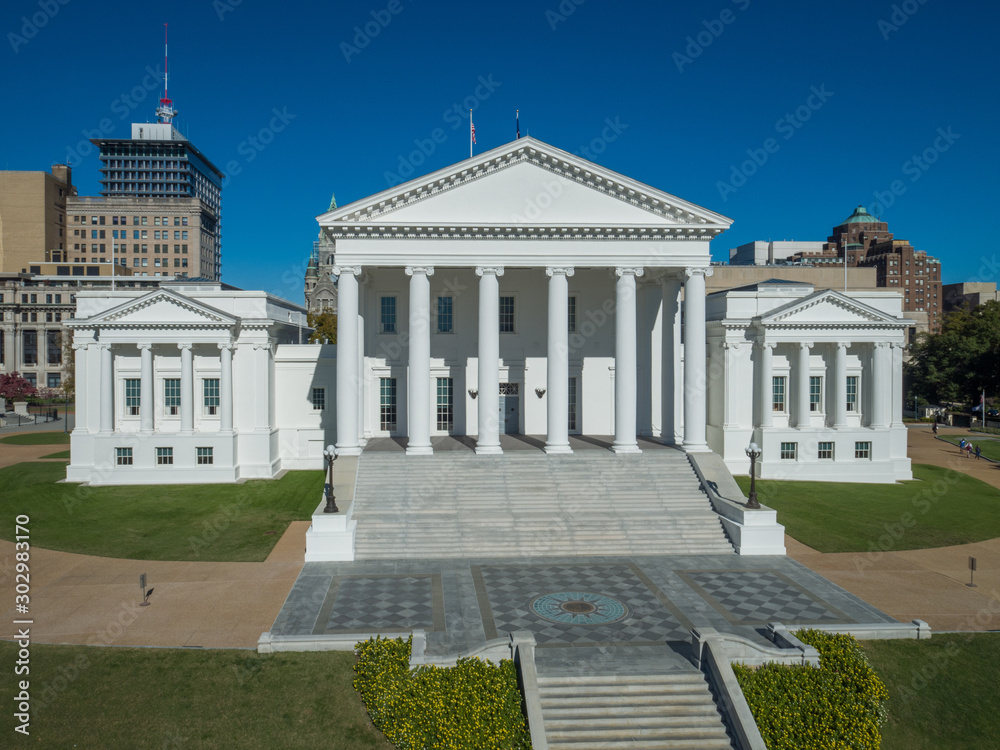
x=925 y=584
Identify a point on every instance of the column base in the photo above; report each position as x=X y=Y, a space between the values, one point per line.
x=697 y=448
x=419 y=450
x=625 y=448
x=348 y=450
x=489 y=450
x=558 y=449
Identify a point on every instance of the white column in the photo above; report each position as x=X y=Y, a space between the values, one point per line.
x=418 y=377
x=557 y=364
x=145 y=387
x=896 y=377
x=81 y=396
x=802 y=386
x=625 y=370
x=695 y=379
x=107 y=389
x=875 y=386
x=348 y=384
x=840 y=385
x=765 y=350
x=187 y=388
x=671 y=339
x=488 y=442
x=226 y=387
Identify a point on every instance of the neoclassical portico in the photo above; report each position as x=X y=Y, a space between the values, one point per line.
x=518 y=276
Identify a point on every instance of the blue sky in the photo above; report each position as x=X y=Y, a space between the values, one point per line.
x=783 y=116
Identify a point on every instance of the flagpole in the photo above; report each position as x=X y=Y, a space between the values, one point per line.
x=470 y=133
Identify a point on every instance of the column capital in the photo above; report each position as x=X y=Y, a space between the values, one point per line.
x=341 y=270
x=843 y=345
x=672 y=275
x=629 y=270
x=806 y=345
x=734 y=345
x=425 y=270
x=765 y=344
x=145 y=346
x=100 y=344
x=185 y=345
x=562 y=271
x=226 y=345
x=706 y=272
x=489 y=270
x=82 y=346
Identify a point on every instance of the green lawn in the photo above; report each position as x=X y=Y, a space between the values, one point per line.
x=942 y=509
x=990 y=447
x=226 y=522
x=37 y=438
x=177 y=698
x=60 y=454
x=942 y=692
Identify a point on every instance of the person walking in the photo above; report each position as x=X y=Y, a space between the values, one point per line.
x=977 y=452
x=961 y=447
x=968 y=449
x=934 y=428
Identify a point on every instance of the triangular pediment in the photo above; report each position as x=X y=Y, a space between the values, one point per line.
x=525 y=183
x=830 y=308
x=163 y=307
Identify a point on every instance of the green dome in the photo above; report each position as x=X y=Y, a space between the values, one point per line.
x=860 y=216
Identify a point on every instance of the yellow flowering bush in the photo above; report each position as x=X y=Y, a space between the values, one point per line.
x=839 y=705
x=474 y=705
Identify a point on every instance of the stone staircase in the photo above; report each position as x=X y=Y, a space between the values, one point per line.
x=602 y=712
x=528 y=504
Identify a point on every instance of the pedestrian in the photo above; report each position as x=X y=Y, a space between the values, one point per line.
x=961 y=446
x=968 y=449
x=977 y=452
x=935 y=428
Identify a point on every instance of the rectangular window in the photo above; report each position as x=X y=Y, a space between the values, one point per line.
x=825 y=450
x=123 y=456
x=789 y=450
x=205 y=456
x=210 y=388
x=778 y=393
x=445 y=320
x=815 y=393
x=572 y=404
x=571 y=315
x=54 y=380
x=852 y=393
x=31 y=378
x=863 y=450
x=388 y=315
x=506 y=315
x=387 y=403
x=319 y=399
x=172 y=396
x=132 y=400
x=30 y=348
x=445 y=404
x=53 y=347
x=164 y=456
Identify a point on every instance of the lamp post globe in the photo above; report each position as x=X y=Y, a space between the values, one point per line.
x=753 y=452
x=330 y=454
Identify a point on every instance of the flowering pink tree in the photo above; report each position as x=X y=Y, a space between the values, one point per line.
x=15 y=388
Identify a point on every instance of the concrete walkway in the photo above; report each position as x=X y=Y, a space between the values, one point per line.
x=927 y=584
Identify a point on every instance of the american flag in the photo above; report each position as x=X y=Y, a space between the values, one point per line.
x=471 y=125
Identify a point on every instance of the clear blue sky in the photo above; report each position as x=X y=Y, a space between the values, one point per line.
x=692 y=87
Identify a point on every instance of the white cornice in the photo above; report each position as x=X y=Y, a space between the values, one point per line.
x=517 y=232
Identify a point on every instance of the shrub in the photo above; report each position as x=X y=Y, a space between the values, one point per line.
x=474 y=705
x=986 y=430
x=840 y=704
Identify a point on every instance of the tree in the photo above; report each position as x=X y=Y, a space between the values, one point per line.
x=15 y=388
x=324 y=325
x=962 y=360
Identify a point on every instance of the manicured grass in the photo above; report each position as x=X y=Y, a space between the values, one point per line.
x=944 y=508
x=60 y=454
x=225 y=522
x=942 y=692
x=990 y=447
x=37 y=438
x=156 y=698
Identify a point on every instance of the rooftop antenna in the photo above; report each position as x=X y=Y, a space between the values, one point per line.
x=165 y=112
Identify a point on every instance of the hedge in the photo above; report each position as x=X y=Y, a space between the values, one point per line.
x=987 y=430
x=475 y=705
x=840 y=704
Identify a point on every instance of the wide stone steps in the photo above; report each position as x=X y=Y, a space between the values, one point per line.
x=457 y=504
x=604 y=712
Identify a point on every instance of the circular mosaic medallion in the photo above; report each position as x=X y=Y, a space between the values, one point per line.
x=578 y=608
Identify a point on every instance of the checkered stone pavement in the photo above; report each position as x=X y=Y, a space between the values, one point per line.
x=381 y=603
x=507 y=590
x=759 y=597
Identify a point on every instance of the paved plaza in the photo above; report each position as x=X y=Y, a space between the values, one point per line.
x=609 y=602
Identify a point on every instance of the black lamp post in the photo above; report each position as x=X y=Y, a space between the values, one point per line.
x=330 y=454
x=753 y=453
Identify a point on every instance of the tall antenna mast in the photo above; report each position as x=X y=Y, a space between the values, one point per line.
x=166 y=112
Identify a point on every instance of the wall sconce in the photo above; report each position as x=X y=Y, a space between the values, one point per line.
x=473 y=392
x=539 y=392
